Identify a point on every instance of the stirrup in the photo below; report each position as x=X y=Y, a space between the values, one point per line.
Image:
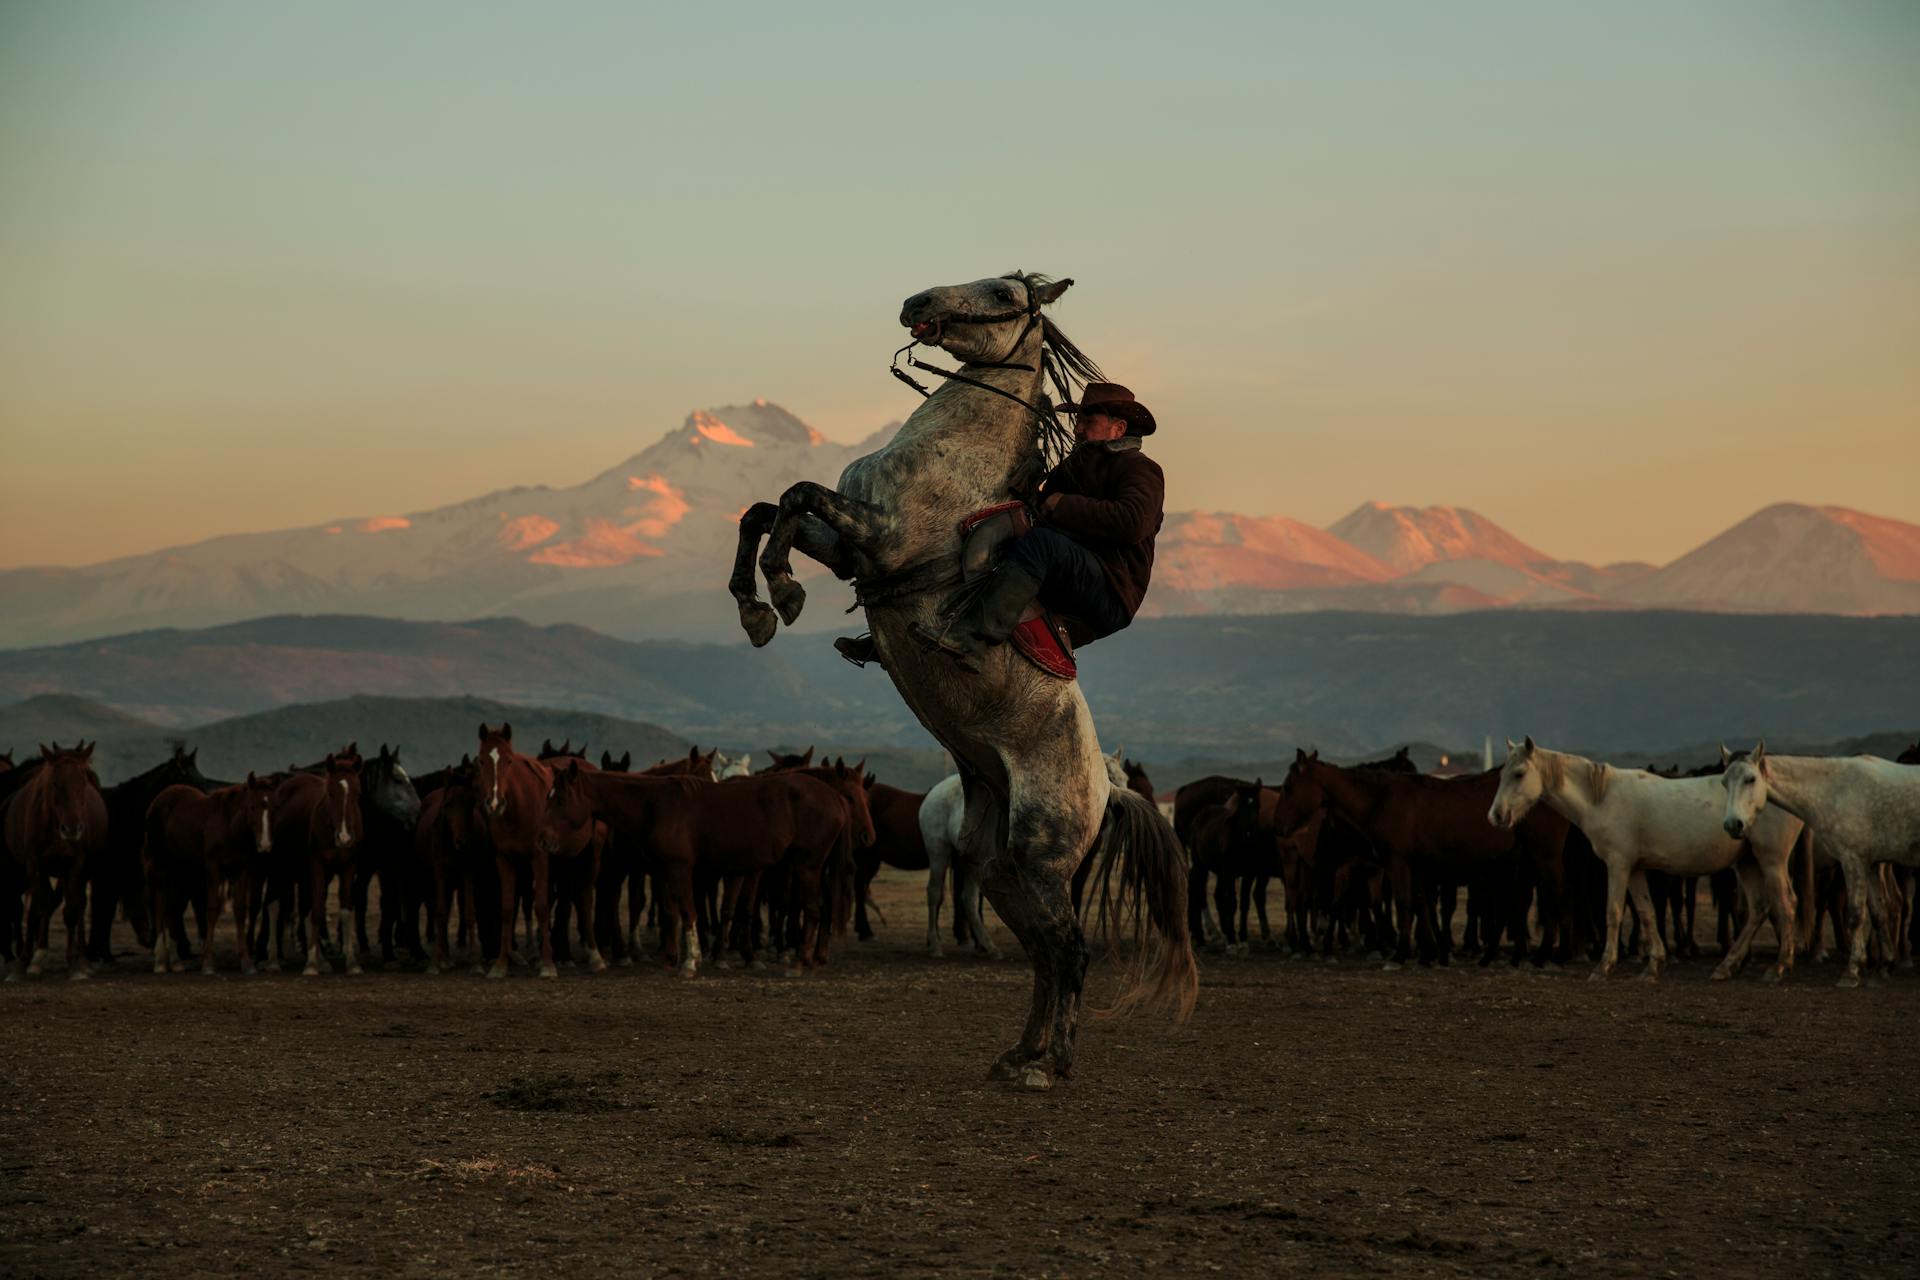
x=860 y=650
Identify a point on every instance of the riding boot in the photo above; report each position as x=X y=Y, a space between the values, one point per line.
x=987 y=619
x=860 y=650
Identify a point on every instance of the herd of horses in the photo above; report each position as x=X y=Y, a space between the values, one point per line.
x=1549 y=846
x=717 y=859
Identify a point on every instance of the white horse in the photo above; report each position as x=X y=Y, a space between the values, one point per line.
x=1636 y=820
x=1865 y=809
x=941 y=816
x=726 y=766
x=1038 y=799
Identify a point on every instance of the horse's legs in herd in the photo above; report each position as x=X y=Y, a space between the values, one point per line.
x=1260 y=908
x=584 y=878
x=162 y=913
x=1223 y=907
x=1616 y=906
x=1643 y=904
x=316 y=908
x=509 y=909
x=242 y=891
x=1400 y=872
x=937 y=858
x=211 y=919
x=1754 y=893
x=543 y=912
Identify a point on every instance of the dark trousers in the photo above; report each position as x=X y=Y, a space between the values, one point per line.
x=1071 y=582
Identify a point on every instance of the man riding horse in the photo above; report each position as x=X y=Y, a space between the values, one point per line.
x=1089 y=557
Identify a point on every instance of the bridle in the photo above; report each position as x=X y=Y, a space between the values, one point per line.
x=1055 y=441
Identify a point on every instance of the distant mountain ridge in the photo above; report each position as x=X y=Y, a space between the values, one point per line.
x=642 y=550
x=1173 y=687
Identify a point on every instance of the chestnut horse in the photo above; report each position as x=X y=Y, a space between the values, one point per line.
x=688 y=827
x=56 y=827
x=1433 y=831
x=513 y=791
x=122 y=881
x=450 y=842
x=791 y=888
x=195 y=843
x=317 y=830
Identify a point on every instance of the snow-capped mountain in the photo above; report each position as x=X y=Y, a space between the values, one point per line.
x=643 y=549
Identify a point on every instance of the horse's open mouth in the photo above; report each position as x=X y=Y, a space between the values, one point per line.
x=927 y=331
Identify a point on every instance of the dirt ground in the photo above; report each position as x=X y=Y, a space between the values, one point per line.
x=1310 y=1120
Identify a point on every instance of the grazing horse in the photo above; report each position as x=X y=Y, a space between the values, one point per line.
x=1038 y=799
x=1637 y=821
x=56 y=828
x=513 y=791
x=1865 y=811
x=1432 y=831
x=194 y=843
x=317 y=830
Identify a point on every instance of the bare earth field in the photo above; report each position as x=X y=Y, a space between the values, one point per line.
x=1310 y=1120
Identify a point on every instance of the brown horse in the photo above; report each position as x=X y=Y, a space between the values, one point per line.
x=622 y=867
x=317 y=831
x=897 y=842
x=513 y=792
x=450 y=841
x=792 y=887
x=690 y=828
x=56 y=827
x=195 y=843
x=1433 y=831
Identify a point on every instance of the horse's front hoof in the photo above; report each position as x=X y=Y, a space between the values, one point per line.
x=789 y=597
x=548 y=971
x=311 y=971
x=757 y=966
x=1036 y=1078
x=249 y=970
x=80 y=975
x=759 y=622
x=1598 y=975
x=1650 y=975
x=1774 y=975
x=1008 y=1065
x=596 y=963
x=496 y=972
x=1720 y=974
x=354 y=971
x=987 y=952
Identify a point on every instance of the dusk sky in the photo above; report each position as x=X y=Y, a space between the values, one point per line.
x=1613 y=275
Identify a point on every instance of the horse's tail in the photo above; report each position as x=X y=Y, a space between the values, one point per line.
x=837 y=892
x=1149 y=899
x=1808 y=906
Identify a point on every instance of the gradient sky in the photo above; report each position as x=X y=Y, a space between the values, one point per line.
x=1613 y=274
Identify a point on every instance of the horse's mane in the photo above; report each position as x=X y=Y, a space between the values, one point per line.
x=1071 y=358
x=1066 y=365
x=1553 y=770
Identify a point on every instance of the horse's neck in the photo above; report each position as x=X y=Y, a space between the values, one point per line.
x=1799 y=784
x=974 y=429
x=1351 y=798
x=1571 y=791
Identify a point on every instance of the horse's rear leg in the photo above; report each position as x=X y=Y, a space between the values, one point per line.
x=936 y=896
x=211 y=920
x=1656 y=945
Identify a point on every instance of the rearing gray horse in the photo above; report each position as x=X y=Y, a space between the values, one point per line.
x=1038 y=797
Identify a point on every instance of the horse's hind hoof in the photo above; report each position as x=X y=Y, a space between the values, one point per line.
x=548 y=971
x=497 y=972
x=1720 y=974
x=759 y=622
x=1008 y=1066
x=79 y=975
x=789 y=597
x=1036 y=1078
x=1773 y=975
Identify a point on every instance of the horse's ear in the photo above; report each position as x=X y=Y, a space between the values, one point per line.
x=808 y=757
x=483 y=730
x=1760 y=754
x=1299 y=755
x=1314 y=754
x=1528 y=745
x=46 y=752
x=506 y=731
x=250 y=778
x=1726 y=756
x=1047 y=294
x=86 y=752
x=353 y=748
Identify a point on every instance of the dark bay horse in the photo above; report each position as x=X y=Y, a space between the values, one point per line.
x=56 y=828
x=317 y=830
x=450 y=842
x=1433 y=831
x=197 y=842
x=793 y=887
x=122 y=881
x=897 y=843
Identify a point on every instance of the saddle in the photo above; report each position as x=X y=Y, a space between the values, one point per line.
x=1042 y=637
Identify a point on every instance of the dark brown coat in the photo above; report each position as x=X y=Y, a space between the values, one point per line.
x=1109 y=502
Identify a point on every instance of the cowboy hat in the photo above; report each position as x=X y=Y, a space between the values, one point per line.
x=1115 y=401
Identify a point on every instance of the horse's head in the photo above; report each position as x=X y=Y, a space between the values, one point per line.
x=1521 y=784
x=1745 y=780
x=566 y=824
x=6 y=760
x=623 y=765
x=782 y=763
x=183 y=766
x=986 y=321
x=1302 y=791
x=851 y=781
x=256 y=812
x=1137 y=778
x=71 y=788
x=339 y=807
x=703 y=764
x=390 y=789
x=495 y=758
